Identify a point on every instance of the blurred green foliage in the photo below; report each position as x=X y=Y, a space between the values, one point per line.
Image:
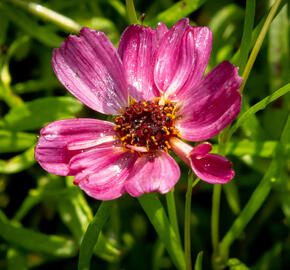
x=43 y=218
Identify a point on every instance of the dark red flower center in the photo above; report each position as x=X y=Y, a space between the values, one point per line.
x=147 y=124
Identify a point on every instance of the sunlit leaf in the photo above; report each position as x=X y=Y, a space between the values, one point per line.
x=35 y=114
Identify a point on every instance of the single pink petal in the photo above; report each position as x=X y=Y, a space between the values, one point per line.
x=137 y=49
x=61 y=140
x=155 y=171
x=212 y=106
x=212 y=168
x=161 y=31
x=182 y=58
x=102 y=172
x=90 y=68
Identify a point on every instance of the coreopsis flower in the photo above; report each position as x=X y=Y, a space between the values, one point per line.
x=153 y=87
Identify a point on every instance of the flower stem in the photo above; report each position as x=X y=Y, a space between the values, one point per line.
x=190 y=185
x=172 y=212
x=215 y=218
x=49 y=15
x=259 y=42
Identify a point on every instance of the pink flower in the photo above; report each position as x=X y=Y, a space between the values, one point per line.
x=154 y=88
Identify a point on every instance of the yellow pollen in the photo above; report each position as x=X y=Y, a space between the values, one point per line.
x=166 y=129
x=168 y=145
x=147 y=124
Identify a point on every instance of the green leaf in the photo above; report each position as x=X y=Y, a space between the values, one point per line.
x=34 y=114
x=256 y=32
x=18 y=163
x=232 y=195
x=247 y=34
x=131 y=12
x=223 y=25
x=76 y=215
x=278 y=50
x=240 y=148
x=157 y=254
x=35 y=85
x=15 y=141
x=17 y=260
x=252 y=128
x=50 y=15
x=27 y=24
x=271 y=259
x=157 y=216
x=261 y=105
x=272 y=175
x=198 y=261
x=92 y=234
x=176 y=12
x=235 y=264
x=37 y=242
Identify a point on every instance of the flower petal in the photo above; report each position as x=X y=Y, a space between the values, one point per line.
x=102 y=172
x=182 y=58
x=90 y=68
x=61 y=140
x=212 y=106
x=137 y=49
x=212 y=168
x=156 y=171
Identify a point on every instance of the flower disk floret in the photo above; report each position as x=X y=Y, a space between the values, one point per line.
x=153 y=86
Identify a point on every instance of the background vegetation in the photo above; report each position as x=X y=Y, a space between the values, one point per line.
x=43 y=217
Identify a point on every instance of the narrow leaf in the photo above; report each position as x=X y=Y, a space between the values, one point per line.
x=247 y=34
x=15 y=141
x=92 y=234
x=17 y=260
x=18 y=163
x=34 y=114
x=27 y=24
x=198 y=261
x=235 y=264
x=272 y=175
x=131 y=12
x=265 y=149
x=261 y=105
x=37 y=242
x=176 y=12
x=157 y=216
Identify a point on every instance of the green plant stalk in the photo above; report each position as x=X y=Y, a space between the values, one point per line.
x=224 y=138
x=187 y=222
x=215 y=218
x=49 y=15
x=259 y=43
x=187 y=250
x=158 y=218
x=91 y=236
x=247 y=33
x=171 y=208
x=131 y=12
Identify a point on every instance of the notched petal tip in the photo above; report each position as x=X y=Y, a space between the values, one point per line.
x=212 y=168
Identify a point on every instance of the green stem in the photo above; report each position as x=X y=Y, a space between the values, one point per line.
x=171 y=208
x=158 y=218
x=259 y=42
x=215 y=219
x=190 y=185
x=91 y=235
x=131 y=12
x=49 y=15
